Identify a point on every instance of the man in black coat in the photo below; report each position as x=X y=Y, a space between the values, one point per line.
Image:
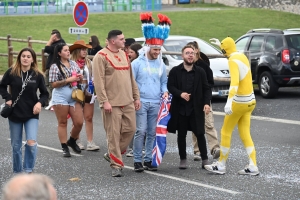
x=191 y=99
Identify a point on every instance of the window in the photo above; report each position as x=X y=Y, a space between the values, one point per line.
x=293 y=41
x=256 y=43
x=270 y=43
x=240 y=45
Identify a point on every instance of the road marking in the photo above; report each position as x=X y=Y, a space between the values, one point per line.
x=52 y=149
x=188 y=181
x=268 y=119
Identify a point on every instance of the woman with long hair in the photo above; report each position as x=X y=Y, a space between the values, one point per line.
x=202 y=61
x=60 y=77
x=94 y=42
x=24 y=79
x=79 y=55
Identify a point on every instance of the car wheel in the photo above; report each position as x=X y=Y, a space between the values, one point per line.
x=268 y=88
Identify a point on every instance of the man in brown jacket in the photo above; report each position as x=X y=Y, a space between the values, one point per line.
x=118 y=96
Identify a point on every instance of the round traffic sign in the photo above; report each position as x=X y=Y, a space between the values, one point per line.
x=80 y=13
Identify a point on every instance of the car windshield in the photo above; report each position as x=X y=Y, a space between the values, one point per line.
x=176 y=45
x=293 y=41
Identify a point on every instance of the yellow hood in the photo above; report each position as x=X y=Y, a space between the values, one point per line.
x=228 y=46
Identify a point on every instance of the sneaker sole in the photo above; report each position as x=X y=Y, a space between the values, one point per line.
x=139 y=170
x=150 y=169
x=129 y=155
x=216 y=172
x=92 y=149
x=117 y=175
x=197 y=159
x=251 y=174
x=67 y=155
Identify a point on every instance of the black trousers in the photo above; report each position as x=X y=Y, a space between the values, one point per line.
x=189 y=123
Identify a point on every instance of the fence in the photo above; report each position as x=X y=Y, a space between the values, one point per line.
x=11 y=7
x=42 y=57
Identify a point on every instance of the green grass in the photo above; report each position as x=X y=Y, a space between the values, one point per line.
x=205 y=24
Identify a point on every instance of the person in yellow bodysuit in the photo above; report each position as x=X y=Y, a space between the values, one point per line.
x=239 y=106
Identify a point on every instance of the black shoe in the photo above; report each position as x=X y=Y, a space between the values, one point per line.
x=66 y=152
x=148 y=166
x=72 y=143
x=138 y=167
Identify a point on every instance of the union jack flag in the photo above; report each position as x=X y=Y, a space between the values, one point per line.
x=160 y=143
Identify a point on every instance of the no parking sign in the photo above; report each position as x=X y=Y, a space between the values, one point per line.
x=80 y=13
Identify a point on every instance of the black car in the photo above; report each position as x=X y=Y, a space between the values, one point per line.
x=275 y=58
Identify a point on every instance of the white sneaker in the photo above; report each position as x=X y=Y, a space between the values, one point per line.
x=79 y=144
x=130 y=153
x=197 y=157
x=249 y=170
x=91 y=146
x=216 y=167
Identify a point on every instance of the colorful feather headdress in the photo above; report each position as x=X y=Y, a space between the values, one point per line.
x=155 y=35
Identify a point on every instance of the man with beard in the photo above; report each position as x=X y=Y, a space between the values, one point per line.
x=191 y=99
x=151 y=77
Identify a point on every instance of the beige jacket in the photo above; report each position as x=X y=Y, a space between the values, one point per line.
x=113 y=78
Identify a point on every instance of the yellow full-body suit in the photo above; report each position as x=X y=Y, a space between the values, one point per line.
x=240 y=102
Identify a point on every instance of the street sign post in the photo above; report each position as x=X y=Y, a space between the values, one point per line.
x=78 y=30
x=80 y=17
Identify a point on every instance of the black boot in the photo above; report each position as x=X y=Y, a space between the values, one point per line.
x=72 y=143
x=65 y=148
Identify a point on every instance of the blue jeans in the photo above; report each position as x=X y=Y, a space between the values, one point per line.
x=146 y=119
x=16 y=132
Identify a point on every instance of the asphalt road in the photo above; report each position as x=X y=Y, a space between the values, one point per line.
x=275 y=131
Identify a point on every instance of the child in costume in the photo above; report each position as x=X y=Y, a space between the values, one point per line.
x=240 y=104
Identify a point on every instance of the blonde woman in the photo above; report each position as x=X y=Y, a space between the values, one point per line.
x=79 y=55
x=24 y=79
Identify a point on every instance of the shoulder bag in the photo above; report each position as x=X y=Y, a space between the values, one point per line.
x=6 y=110
x=77 y=94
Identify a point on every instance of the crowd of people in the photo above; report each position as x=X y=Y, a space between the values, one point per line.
x=128 y=80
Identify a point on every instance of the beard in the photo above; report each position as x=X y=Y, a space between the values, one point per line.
x=187 y=62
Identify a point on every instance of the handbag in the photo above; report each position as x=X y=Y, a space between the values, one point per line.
x=7 y=110
x=77 y=94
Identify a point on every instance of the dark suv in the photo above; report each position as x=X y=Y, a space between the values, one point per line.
x=275 y=58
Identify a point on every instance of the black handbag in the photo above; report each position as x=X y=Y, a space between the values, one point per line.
x=7 y=110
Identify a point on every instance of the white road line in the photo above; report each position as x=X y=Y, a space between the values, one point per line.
x=188 y=181
x=52 y=149
x=269 y=119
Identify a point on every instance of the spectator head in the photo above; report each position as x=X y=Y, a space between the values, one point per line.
x=133 y=51
x=94 y=41
x=116 y=40
x=31 y=57
x=29 y=186
x=57 y=33
x=58 y=53
x=128 y=42
x=79 y=50
x=199 y=54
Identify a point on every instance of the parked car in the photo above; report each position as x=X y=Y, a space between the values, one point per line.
x=275 y=58
x=218 y=63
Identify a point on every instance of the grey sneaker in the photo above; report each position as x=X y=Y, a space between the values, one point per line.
x=91 y=146
x=106 y=157
x=216 y=153
x=79 y=144
x=182 y=164
x=197 y=157
x=216 y=167
x=130 y=153
x=116 y=172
